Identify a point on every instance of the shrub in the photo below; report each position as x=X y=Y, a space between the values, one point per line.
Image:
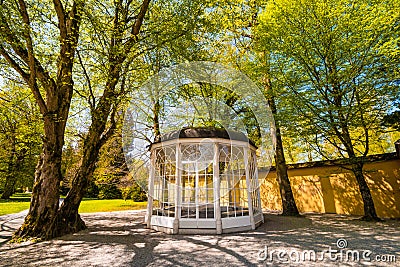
x=137 y=193
x=19 y=190
x=126 y=192
x=109 y=191
x=92 y=191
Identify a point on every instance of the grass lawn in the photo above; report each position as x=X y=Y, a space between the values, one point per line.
x=99 y=205
x=20 y=201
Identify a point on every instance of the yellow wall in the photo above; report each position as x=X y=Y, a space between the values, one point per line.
x=331 y=189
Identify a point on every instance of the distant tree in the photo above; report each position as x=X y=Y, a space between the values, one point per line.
x=111 y=169
x=20 y=143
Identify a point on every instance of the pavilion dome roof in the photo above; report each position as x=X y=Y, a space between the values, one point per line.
x=203 y=132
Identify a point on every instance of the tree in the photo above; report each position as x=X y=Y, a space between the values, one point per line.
x=27 y=44
x=19 y=46
x=124 y=33
x=124 y=41
x=233 y=44
x=111 y=171
x=289 y=207
x=19 y=137
x=246 y=56
x=334 y=61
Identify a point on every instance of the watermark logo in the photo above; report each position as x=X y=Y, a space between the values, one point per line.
x=340 y=253
x=341 y=243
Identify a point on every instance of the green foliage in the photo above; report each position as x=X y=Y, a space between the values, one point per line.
x=137 y=194
x=20 y=129
x=109 y=191
x=208 y=105
x=111 y=170
x=333 y=67
x=112 y=179
x=92 y=191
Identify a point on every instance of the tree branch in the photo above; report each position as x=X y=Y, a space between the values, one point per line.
x=110 y=131
x=34 y=87
x=140 y=17
x=18 y=47
x=29 y=43
x=14 y=64
x=91 y=98
x=61 y=18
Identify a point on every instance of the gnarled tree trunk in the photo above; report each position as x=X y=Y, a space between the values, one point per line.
x=45 y=193
x=68 y=219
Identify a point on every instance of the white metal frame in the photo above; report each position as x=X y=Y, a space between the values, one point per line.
x=218 y=225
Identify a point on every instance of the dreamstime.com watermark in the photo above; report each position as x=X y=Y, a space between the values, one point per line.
x=340 y=253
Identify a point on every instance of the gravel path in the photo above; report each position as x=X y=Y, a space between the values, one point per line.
x=120 y=239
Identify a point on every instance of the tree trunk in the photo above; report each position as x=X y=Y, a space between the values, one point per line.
x=289 y=207
x=156 y=122
x=369 y=207
x=9 y=187
x=45 y=193
x=357 y=168
x=11 y=178
x=53 y=95
x=68 y=219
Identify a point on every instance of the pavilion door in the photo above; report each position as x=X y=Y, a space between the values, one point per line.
x=197 y=209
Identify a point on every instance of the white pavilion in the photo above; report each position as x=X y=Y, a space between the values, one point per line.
x=203 y=180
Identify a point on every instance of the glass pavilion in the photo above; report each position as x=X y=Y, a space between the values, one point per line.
x=203 y=180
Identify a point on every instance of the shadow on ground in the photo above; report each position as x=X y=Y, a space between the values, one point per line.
x=120 y=239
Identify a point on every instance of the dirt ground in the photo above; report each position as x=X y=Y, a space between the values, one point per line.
x=120 y=239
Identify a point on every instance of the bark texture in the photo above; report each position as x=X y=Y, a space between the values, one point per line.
x=45 y=193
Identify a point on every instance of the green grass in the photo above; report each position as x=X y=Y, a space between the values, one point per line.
x=20 y=201
x=97 y=205
x=12 y=207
